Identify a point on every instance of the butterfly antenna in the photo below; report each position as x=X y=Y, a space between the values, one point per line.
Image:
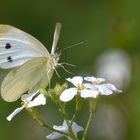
x=68 y=64
x=57 y=73
x=56 y=37
x=65 y=69
x=80 y=43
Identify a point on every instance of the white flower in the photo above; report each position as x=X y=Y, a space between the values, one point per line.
x=64 y=128
x=84 y=90
x=28 y=101
x=102 y=88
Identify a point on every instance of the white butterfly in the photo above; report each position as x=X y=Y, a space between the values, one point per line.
x=32 y=64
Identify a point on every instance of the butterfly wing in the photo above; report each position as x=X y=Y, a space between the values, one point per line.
x=17 y=47
x=42 y=83
x=3 y=73
x=28 y=76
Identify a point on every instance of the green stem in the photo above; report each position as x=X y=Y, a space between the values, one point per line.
x=73 y=117
x=70 y=130
x=40 y=121
x=87 y=126
x=68 y=123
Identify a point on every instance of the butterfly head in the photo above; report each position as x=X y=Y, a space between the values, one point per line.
x=54 y=59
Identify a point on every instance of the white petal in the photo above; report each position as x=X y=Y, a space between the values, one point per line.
x=39 y=100
x=16 y=111
x=89 y=86
x=86 y=93
x=60 y=128
x=104 y=90
x=112 y=87
x=68 y=94
x=28 y=96
x=75 y=80
x=65 y=124
x=100 y=80
x=90 y=79
x=76 y=128
x=54 y=135
x=93 y=79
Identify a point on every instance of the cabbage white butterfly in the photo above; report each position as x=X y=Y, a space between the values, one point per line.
x=32 y=64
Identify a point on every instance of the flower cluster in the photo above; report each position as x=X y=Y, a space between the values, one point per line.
x=89 y=89
x=28 y=101
x=85 y=87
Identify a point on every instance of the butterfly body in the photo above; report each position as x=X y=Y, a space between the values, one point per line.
x=32 y=65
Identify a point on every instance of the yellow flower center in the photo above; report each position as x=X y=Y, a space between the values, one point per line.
x=80 y=87
x=97 y=82
x=25 y=103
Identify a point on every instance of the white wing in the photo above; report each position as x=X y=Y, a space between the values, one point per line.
x=32 y=75
x=17 y=47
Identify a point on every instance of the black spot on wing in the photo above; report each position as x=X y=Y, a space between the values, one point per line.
x=9 y=58
x=8 y=46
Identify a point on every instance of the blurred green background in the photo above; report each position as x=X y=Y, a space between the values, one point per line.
x=107 y=27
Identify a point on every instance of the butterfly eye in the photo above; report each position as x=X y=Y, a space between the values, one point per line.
x=9 y=58
x=8 y=46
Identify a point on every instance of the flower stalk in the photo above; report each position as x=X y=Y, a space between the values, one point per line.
x=71 y=133
x=87 y=126
x=36 y=117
